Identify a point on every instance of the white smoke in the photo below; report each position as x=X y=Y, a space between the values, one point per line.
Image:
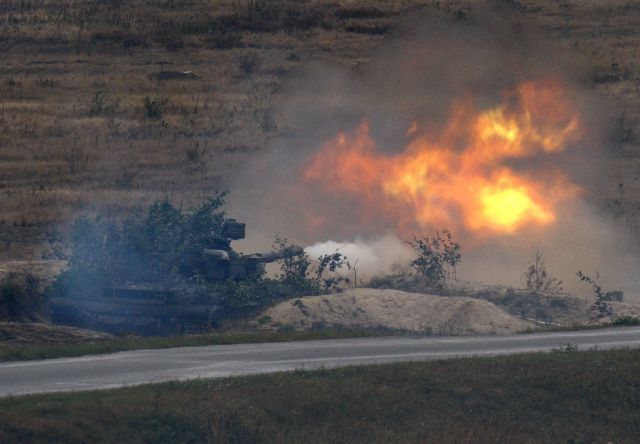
x=371 y=257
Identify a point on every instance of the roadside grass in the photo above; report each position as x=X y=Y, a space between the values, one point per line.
x=117 y=344
x=125 y=343
x=570 y=396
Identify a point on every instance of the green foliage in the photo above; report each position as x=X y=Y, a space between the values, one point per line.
x=626 y=320
x=300 y=278
x=566 y=348
x=437 y=258
x=295 y=272
x=327 y=272
x=165 y=247
x=537 y=279
x=435 y=263
x=20 y=298
x=162 y=246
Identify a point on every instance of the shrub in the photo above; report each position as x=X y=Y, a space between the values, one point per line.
x=20 y=298
x=435 y=255
x=154 y=109
x=436 y=261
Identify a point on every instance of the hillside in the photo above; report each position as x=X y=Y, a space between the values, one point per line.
x=97 y=110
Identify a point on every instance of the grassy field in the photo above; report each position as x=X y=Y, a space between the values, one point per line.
x=568 y=397
x=87 y=119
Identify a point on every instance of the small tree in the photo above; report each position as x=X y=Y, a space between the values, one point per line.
x=537 y=279
x=332 y=263
x=437 y=259
x=299 y=277
x=294 y=271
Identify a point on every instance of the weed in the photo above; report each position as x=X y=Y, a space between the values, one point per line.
x=101 y=106
x=566 y=348
x=77 y=158
x=626 y=320
x=248 y=63
x=154 y=109
x=600 y=305
x=264 y=319
x=537 y=279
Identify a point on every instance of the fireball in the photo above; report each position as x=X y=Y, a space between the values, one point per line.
x=460 y=176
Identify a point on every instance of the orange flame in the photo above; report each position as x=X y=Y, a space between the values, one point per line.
x=460 y=177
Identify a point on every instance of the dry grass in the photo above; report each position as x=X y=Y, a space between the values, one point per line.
x=74 y=133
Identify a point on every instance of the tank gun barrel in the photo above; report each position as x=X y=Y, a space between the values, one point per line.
x=271 y=256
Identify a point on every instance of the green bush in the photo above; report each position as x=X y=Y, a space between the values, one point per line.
x=435 y=263
x=437 y=258
x=165 y=247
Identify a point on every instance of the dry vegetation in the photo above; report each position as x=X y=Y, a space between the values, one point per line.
x=90 y=116
x=578 y=397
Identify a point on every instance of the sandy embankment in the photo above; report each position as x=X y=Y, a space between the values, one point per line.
x=393 y=310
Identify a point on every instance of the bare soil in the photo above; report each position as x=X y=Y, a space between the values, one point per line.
x=393 y=310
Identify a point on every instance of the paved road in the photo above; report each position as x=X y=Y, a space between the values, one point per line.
x=143 y=366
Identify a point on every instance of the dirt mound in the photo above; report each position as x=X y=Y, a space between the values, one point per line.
x=393 y=310
x=18 y=333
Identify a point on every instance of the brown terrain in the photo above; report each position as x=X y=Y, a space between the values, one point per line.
x=115 y=104
x=14 y=334
x=97 y=110
x=393 y=310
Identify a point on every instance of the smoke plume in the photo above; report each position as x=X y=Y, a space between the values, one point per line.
x=413 y=84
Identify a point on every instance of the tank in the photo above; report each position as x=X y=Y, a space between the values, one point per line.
x=149 y=308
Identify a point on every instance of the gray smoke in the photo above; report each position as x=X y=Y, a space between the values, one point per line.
x=429 y=62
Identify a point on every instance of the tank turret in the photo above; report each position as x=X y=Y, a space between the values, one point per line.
x=149 y=308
